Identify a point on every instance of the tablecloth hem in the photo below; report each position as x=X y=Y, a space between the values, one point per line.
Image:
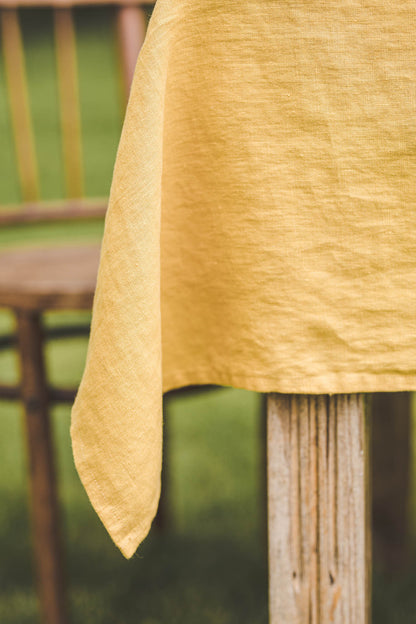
x=330 y=383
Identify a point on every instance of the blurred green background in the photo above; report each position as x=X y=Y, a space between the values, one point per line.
x=210 y=565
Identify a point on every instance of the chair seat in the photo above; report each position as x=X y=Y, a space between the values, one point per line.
x=49 y=278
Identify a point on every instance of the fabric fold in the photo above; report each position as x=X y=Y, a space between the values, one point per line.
x=116 y=426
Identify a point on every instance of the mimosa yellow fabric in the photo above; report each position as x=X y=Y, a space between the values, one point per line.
x=261 y=231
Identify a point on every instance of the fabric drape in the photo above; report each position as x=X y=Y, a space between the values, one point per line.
x=261 y=229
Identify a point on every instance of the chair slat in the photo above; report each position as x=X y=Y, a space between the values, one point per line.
x=67 y=210
x=131 y=27
x=69 y=101
x=19 y=104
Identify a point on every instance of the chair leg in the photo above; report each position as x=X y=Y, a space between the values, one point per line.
x=44 y=503
x=319 y=529
x=391 y=467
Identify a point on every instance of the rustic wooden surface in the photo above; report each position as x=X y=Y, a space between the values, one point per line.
x=50 y=277
x=318 y=490
x=391 y=473
x=45 y=514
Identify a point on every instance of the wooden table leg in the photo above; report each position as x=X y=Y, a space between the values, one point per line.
x=45 y=516
x=318 y=491
x=391 y=472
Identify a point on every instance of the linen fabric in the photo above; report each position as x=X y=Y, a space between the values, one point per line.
x=261 y=230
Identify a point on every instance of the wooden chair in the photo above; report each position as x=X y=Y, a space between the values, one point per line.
x=53 y=278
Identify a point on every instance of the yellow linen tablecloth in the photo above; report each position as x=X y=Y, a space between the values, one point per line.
x=261 y=231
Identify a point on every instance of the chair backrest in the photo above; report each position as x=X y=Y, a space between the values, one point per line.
x=130 y=22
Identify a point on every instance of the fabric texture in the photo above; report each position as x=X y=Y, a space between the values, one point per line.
x=261 y=231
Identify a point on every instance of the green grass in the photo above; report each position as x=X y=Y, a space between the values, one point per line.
x=210 y=565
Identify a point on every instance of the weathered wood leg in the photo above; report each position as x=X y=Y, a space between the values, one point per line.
x=45 y=516
x=319 y=535
x=391 y=472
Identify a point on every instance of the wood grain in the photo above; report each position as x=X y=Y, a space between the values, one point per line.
x=318 y=492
